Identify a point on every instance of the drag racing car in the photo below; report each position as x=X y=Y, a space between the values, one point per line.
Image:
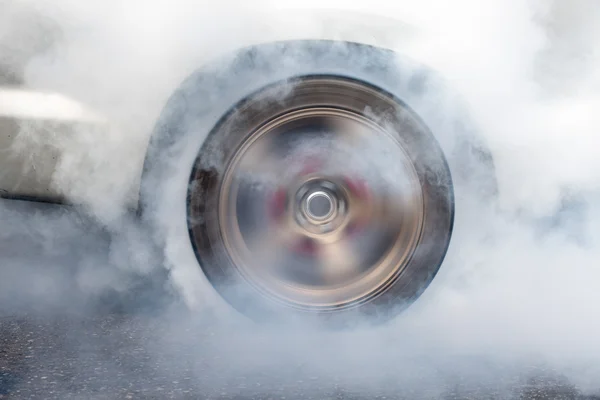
x=307 y=174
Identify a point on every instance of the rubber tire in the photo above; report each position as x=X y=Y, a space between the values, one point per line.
x=207 y=95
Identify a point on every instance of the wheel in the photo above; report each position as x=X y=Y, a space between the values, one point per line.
x=307 y=183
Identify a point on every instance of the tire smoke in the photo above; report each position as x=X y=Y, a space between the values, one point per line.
x=518 y=289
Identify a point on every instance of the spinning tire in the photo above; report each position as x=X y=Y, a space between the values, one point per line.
x=307 y=182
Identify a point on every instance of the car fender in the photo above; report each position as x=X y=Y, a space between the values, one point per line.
x=39 y=130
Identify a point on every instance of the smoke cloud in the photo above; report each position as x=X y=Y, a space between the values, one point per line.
x=518 y=289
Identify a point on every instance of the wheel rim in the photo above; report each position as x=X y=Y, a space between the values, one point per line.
x=319 y=206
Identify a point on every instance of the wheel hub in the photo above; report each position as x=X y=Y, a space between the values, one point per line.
x=320 y=206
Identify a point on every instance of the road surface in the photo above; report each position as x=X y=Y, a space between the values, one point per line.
x=62 y=337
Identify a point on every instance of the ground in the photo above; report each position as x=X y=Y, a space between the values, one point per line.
x=61 y=340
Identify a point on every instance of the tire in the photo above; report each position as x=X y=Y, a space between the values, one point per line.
x=188 y=182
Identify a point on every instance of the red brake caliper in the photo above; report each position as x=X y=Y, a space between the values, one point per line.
x=276 y=204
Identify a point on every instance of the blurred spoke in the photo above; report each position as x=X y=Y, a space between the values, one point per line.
x=338 y=260
x=353 y=133
x=261 y=158
x=271 y=248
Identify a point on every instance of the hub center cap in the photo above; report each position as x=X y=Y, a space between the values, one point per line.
x=319 y=205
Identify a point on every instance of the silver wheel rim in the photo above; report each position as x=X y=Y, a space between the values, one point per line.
x=350 y=270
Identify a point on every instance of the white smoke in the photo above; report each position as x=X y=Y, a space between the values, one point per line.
x=518 y=287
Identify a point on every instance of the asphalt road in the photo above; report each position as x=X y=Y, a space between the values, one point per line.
x=67 y=332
